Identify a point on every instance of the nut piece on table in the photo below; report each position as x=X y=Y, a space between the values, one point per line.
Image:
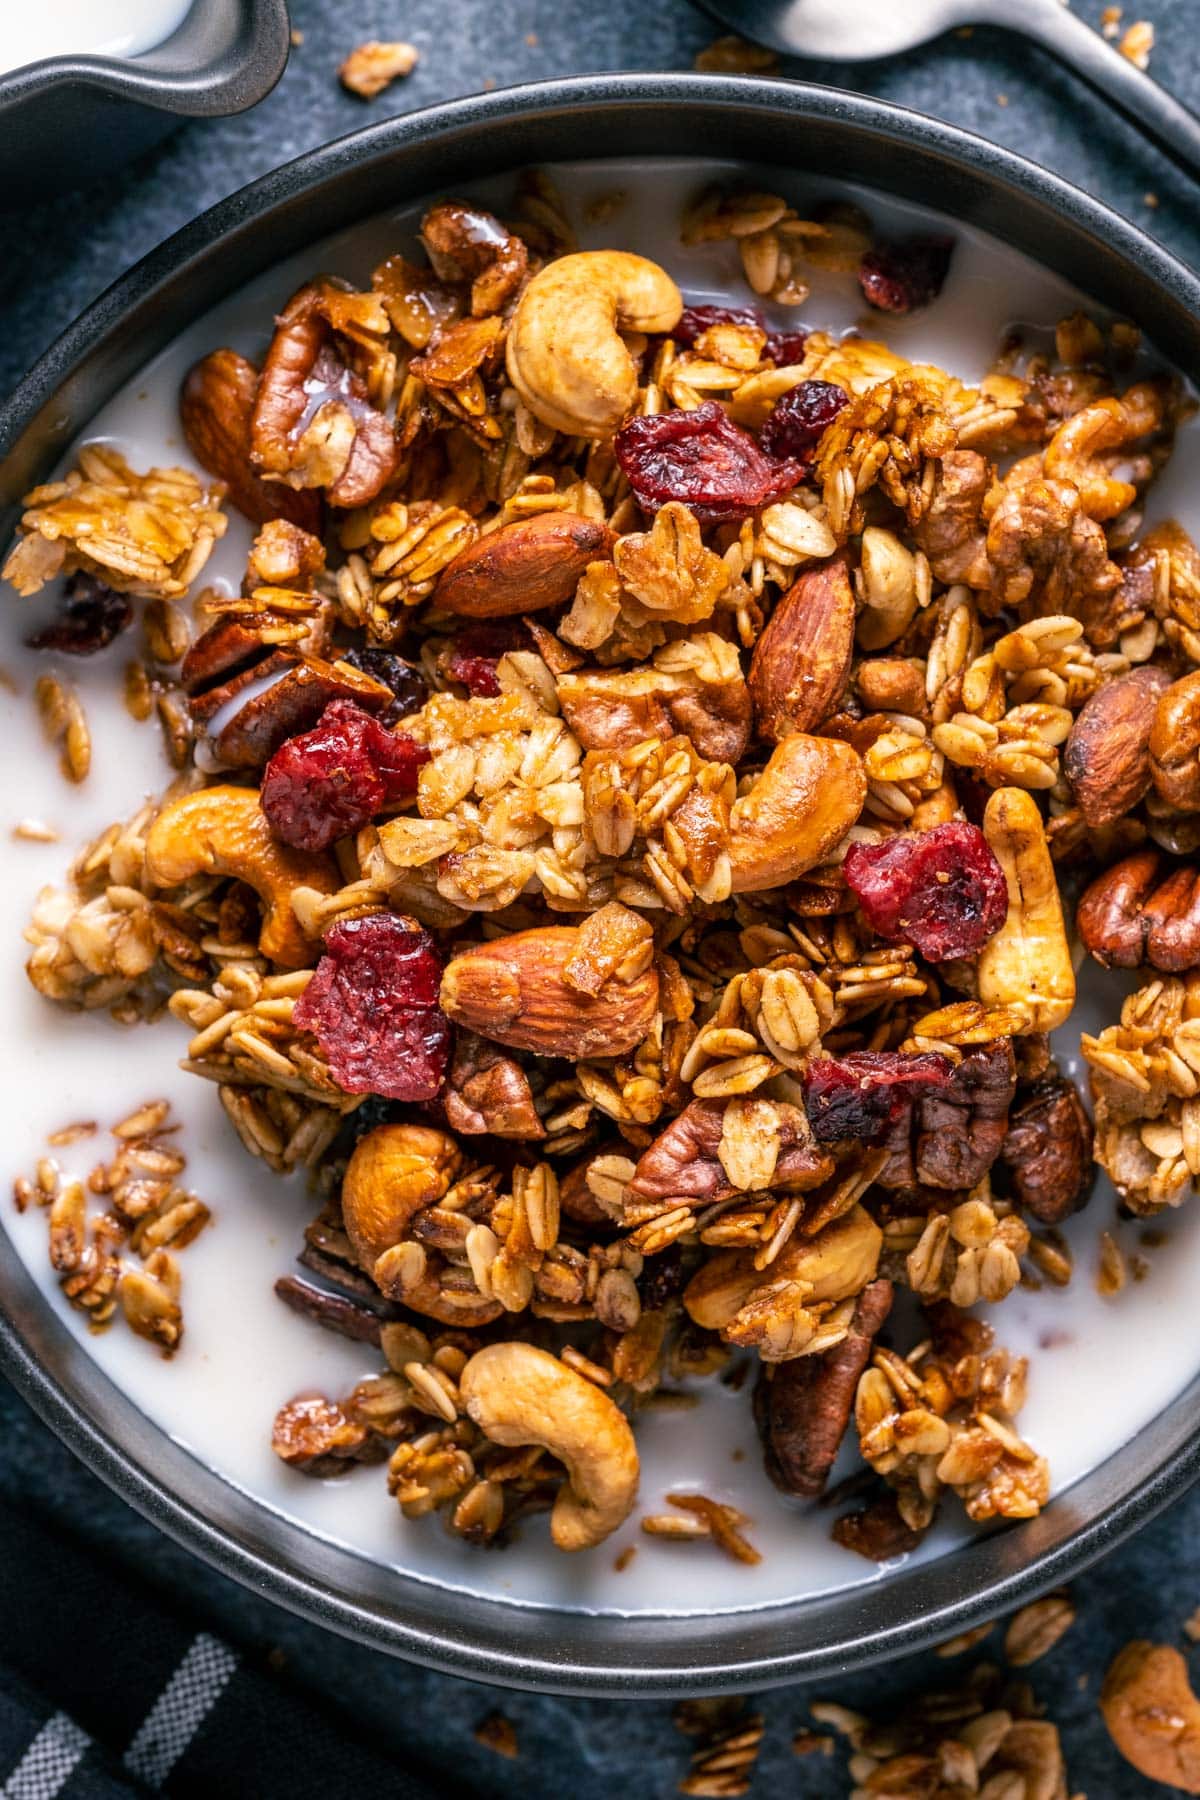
x=803 y=803
x=1048 y=1149
x=516 y=992
x=518 y=1394
x=215 y=406
x=801 y=663
x=1152 y=1715
x=1027 y=964
x=802 y=1407
x=373 y=66
x=1143 y=910
x=524 y=567
x=566 y=357
x=1175 y=744
x=223 y=831
x=1107 y=759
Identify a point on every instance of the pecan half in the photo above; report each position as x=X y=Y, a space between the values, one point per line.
x=1107 y=755
x=313 y=424
x=614 y=710
x=522 y=568
x=1175 y=744
x=1048 y=1150
x=682 y=1162
x=489 y=1092
x=801 y=663
x=802 y=1407
x=951 y=1138
x=216 y=403
x=467 y=244
x=1136 y=913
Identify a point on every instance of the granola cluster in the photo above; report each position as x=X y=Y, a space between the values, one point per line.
x=620 y=846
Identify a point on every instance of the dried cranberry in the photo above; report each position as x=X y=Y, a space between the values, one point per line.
x=899 y=276
x=372 y=1003
x=406 y=682
x=797 y=421
x=786 y=347
x=477 y=650
x=703 y=459
x=941 y=890
x=862 y=1094
x=332 y=780
x=89 y=617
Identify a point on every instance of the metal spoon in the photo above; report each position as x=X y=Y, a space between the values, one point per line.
x=854 y=30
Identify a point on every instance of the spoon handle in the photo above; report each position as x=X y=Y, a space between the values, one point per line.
x=1173 y=127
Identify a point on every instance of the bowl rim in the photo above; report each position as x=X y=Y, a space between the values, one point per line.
x=490 y=1639
x=235 y=70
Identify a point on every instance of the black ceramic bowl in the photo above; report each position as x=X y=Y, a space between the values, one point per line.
x=66 y=120
x=806 y=129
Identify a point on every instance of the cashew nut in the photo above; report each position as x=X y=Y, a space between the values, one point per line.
x=565 y=355
x=806 y=799
x=1152 y=1715
x=223 y=831
x=517 y=1394
x=1028 y=962
x=839 y=1260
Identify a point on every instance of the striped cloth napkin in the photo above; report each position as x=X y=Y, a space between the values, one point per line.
x=106 y=1694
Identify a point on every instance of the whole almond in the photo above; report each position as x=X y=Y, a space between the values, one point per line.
x=524 y=567
x=1175 y=744
x=1107 y=757
x=215 y=405
x=801 y=662
x=515 y=991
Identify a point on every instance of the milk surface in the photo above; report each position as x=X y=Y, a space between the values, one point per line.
x=1100 y=1370
x=30 y=33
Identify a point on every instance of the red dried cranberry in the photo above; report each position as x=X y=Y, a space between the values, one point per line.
x=332 y=780
x=861 y=1095
x=88 y=618
x=786 y=347
x=406 y=682
x=372 y=1003
x=695 y=320
x=942 y=890
x=703 y=459
x=900 y=276
x=798 y=420
x=478 y=648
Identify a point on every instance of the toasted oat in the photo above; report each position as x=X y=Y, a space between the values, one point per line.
x=1110 y=21
x=966 y=1640
x=373 y=66
x=1112 y=1273
x=1137 y=43
x=65 y=723
x=725 y=1766
x=1037 y=1628
x=812 y=1743
x=35 y=831
x=734 y=56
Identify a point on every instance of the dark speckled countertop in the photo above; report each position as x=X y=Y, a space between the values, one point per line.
x=56 y=257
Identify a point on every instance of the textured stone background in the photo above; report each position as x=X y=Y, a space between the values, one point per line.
x=58 y=256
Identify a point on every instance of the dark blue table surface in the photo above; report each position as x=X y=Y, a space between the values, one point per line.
x=57 y=256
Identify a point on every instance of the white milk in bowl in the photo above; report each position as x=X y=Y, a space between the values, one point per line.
x=1100 y=1369
x=118 y=28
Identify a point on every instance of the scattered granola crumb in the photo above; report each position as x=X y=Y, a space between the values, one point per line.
x=725 y=1765
x=1110 y=1277
x=700 y=1517
x=966 y=1640
x=35 y=831
x=809 y=1743
x=624 y=1557
x=374 y=66
x=1110 y=22
x=1036 y=1629
x=531 y=39
x=499 y=1734
x=1001 y=99
x=732 y=55
x=295 y=37
x=1137 y=43
x=1151 y=200
x=1191 y=1626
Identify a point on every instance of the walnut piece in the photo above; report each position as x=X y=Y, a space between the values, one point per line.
x=373 y=66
